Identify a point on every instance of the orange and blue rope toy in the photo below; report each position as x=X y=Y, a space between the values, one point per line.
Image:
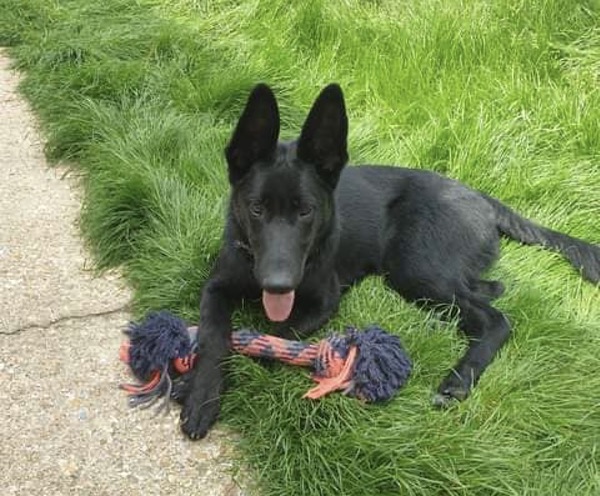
x=370 y=364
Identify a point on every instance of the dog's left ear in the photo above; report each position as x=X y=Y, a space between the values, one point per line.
x=255 y=136
x=323 y=140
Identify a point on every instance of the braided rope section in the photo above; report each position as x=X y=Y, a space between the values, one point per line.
x=332 y=362
x=254 y=344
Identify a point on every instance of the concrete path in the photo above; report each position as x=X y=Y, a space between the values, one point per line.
x=65 y=428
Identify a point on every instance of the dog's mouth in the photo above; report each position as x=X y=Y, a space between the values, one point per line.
x=278 y=306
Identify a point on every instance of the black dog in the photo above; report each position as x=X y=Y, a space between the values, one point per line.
x=301 y=229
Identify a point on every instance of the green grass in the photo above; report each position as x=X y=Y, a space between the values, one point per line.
x=140 y=98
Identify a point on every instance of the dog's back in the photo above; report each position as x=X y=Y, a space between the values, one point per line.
x=392 y=212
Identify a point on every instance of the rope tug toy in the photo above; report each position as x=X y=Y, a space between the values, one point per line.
x=370 y=365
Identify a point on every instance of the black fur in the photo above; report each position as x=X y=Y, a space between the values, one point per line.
x=299 y=221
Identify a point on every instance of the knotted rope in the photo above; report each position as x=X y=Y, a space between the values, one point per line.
x=370 y=365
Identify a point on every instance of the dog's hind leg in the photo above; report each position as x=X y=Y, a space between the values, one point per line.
x=445 y=239
x=487 y=329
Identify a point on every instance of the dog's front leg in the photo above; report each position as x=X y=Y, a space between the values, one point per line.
x=202 y=387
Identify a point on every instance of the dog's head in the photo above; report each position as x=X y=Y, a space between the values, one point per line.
x=282 y=194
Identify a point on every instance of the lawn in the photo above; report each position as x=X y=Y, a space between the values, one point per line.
x=140 y=99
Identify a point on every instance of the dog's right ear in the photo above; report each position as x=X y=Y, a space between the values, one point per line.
x=255 y=136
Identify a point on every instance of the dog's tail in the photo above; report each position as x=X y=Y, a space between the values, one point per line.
x=585 y=257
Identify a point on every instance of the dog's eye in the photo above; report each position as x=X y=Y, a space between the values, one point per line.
x=256 y=209
x=306 y=211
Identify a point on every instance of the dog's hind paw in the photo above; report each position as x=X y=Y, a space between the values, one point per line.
x=448 y=393
x=447 y=399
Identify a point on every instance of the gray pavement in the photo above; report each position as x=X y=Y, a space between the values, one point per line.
x=65 y=428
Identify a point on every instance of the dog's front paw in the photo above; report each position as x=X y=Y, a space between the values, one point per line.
x=201 y=408
x=198 y=417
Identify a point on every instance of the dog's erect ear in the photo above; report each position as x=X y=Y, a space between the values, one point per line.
x=255 y=136
x=323 y=140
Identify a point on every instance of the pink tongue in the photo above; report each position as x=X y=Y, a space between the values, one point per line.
x=278 y=306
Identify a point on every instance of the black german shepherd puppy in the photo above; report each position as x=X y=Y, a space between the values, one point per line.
x=301 y=229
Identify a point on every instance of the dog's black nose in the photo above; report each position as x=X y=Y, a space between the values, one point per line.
x=278 y=284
